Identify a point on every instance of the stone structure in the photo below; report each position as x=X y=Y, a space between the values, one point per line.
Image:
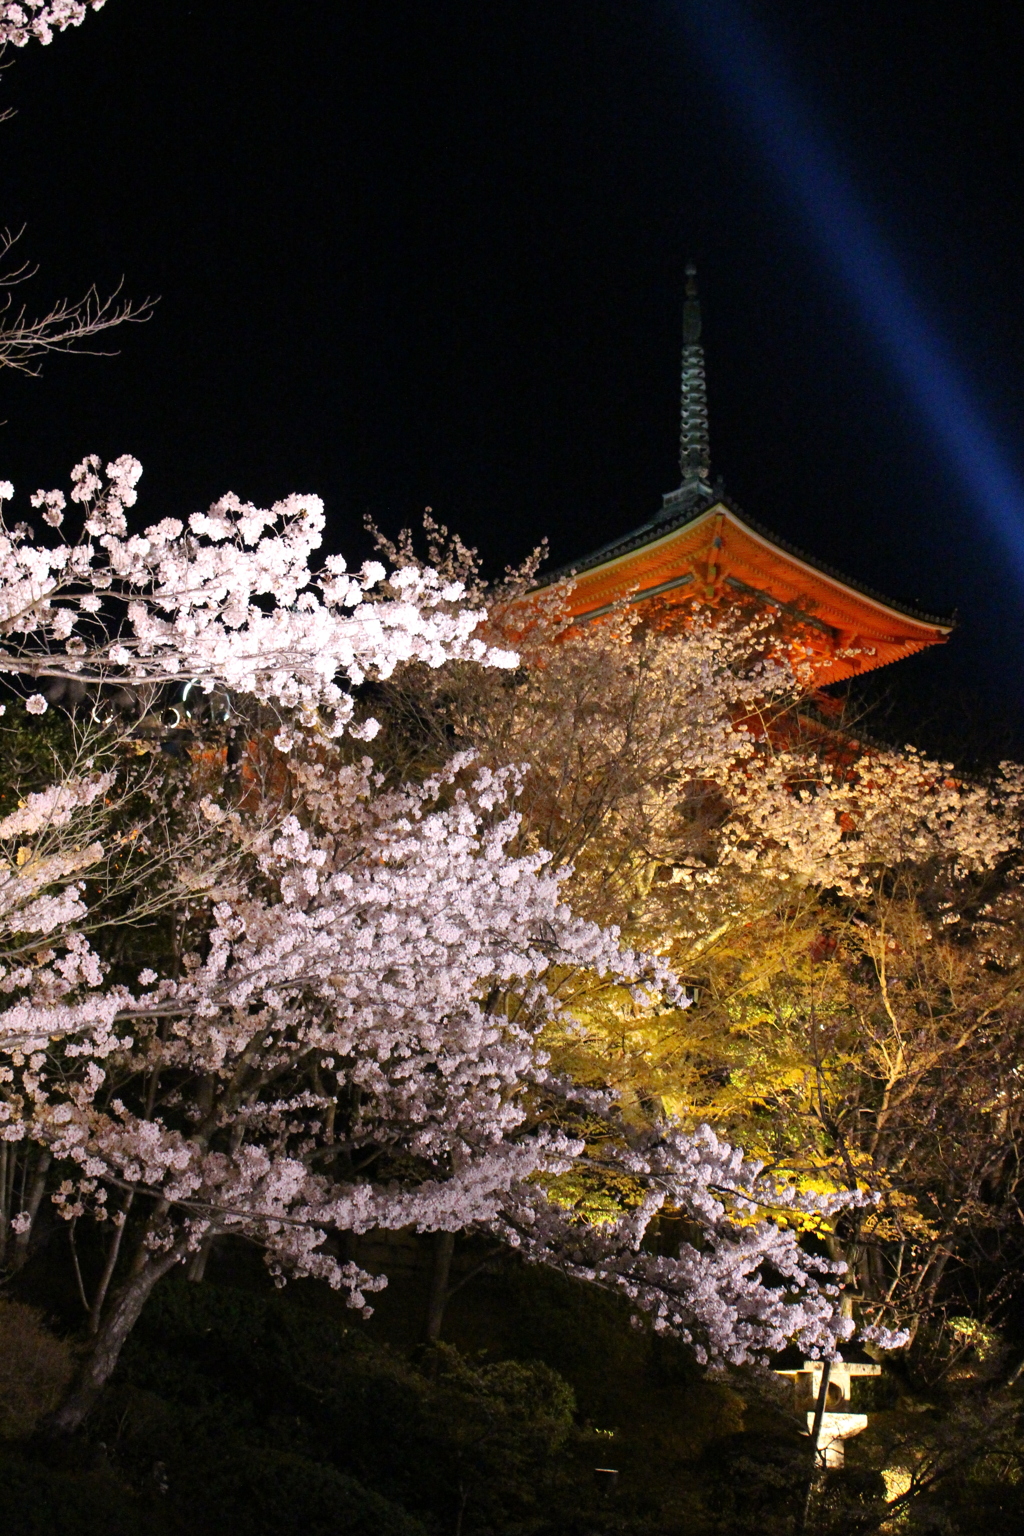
x=838 y=1422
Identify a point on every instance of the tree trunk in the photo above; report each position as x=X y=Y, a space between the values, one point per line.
x=6 y=1152
x=99 y=1363
x=197 y=1264
x=463 y=1501
x=35 y=1196
x=443 y=1250
x=121 y=1220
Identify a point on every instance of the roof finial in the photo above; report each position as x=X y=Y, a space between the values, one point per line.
x=691 y=309
x=694 y=448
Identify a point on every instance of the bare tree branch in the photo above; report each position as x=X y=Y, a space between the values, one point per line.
x=25 y=341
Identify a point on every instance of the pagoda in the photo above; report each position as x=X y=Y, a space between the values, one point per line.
x=701 y=550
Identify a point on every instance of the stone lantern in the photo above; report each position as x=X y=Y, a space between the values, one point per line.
x=838 y=1424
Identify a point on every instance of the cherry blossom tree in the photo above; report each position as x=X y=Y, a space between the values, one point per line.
x=344 y=1035
x=354 y=1049
x=670 y=767
x=678 y=777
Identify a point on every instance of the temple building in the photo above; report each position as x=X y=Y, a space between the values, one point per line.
x=700 y=548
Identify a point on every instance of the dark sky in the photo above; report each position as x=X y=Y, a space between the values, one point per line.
x=430 y=252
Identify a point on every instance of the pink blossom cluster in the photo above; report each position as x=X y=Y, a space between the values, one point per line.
x=23 y=20
x=831 y=826
x=53 y=807
x=229 y=598
x=715 y=1295
x=693 y=767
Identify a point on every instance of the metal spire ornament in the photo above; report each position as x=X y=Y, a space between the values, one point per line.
x=694 y=446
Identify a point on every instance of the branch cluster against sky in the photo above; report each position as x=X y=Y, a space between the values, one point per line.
x=433 y=256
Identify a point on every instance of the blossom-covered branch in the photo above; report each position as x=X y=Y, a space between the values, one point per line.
x=229 y=598
x=22 y=21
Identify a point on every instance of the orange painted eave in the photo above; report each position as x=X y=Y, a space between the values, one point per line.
x=717 y=559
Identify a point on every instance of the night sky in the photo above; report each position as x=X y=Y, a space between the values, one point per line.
x=419 y=252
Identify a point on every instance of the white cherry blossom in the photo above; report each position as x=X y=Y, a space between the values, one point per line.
x=21 y=21
x=228 y=596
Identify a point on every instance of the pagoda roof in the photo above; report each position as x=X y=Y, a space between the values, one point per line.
x=712 y=553
x=702 y=550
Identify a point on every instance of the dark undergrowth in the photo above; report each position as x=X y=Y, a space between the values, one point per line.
x=243 y=1411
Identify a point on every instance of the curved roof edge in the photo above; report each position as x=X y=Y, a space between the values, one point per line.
x=648 y=532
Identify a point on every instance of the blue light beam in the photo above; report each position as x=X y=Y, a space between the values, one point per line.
x=744 y=60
